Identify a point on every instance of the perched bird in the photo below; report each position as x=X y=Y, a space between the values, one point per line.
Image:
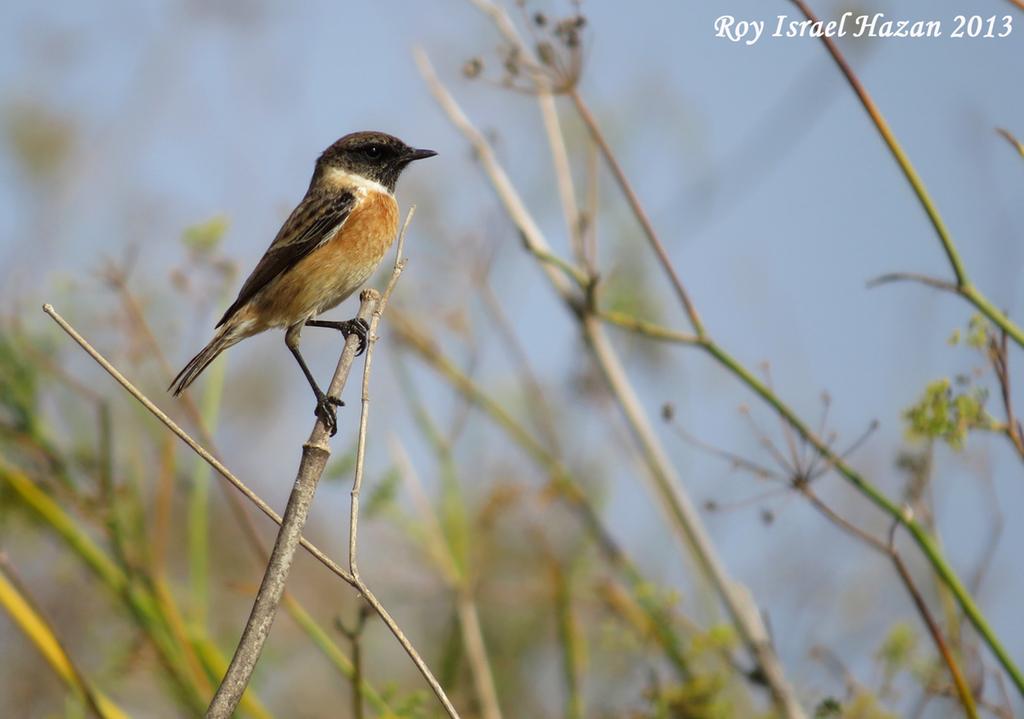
x=327 y=248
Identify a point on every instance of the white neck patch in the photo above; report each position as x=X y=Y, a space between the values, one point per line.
x=341 y=177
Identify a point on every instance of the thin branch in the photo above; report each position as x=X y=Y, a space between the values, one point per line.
x=897 y=151
x=372 y=338
x=1017 y=144
x=737 y=461
x=315 y=453
x=638 y=210
x=935 y=282
x=967 y=289
x=543 y=91
x=889 y=549
x=684 y=518
x=570 y=639
x=461 y=585
x=924 y=539
x=564 y=177
x=648 y=329
x=593 y=195
x=252 y=496
x=187 y=439
x=357 y=581
x=574 y=273
x=1000 y=359
x=198 y=510
x=476 y=652
x=563 y=171
x=118 y=279
x=531 y=234
x=568 y=488
x=962 y=689
x=354 y=637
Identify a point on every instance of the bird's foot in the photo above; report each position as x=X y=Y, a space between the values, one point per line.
x=358 y=327
x=326 y=410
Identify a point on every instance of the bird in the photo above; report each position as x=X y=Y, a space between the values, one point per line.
x=329 y=246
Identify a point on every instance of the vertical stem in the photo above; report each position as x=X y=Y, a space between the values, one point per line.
x=315 y=452
x=117 y=580
x=563 y=173
x=568 y=633
x=924 y=540
x=897 y=151
x=685 y=519
x=199 y=506
x=960 y=684
x=638 y=210
x=473 y=639
x=688 y=524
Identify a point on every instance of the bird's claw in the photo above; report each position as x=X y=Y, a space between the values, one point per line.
x=360 y=328
x=326 y=410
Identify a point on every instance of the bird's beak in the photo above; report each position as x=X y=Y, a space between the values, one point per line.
x=420 y=154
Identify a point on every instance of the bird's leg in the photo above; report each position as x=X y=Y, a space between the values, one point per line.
x=325 y=406
x=357 y=326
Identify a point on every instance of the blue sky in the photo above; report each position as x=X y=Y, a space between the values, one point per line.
x=774 y=194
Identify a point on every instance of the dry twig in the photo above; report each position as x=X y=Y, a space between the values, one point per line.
x=685 y=519
x=315 y=454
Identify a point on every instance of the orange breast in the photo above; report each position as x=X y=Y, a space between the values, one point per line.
x=366 y=234
x=336 y=269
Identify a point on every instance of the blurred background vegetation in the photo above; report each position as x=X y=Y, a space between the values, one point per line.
x=512 y=517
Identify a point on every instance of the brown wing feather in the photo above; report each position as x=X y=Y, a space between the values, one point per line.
x=311 y=224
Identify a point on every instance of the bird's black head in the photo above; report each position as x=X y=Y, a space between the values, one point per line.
x=376 y=156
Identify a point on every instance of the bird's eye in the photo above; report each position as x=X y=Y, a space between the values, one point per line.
x=373 y=151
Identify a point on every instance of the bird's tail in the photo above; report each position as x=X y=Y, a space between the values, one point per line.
x=226 y=336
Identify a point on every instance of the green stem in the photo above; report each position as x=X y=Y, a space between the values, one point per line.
x=334 y=655
x=963 y=284
x=568 y=487
x=924 y=541
x=199 y=507
x=974 y=296
x=570 y=640
x=142 y=605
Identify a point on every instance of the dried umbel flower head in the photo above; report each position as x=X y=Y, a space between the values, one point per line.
x=512 y=62
x=568 y=30
x=472 y=68
x=559 y=49
x=546 y=53
x=552 y=62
